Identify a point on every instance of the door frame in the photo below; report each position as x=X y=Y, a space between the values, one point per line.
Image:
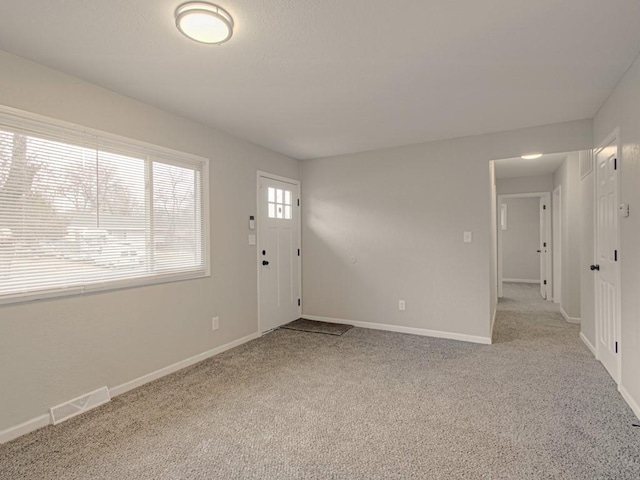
x=614 y=136
x=262 y=174
x=556 y=232
x=547 y=197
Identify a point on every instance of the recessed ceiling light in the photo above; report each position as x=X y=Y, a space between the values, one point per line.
x=204 y=22
x=531 y=156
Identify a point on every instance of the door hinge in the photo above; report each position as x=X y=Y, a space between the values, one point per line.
x=298 y=302
x=544 y=207
x=298 y=202
x=615 y=255
x=615 y=163
x=616 y=347
x=298 y=252
x=545 y=282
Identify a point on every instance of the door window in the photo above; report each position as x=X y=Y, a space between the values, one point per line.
x=279 y=201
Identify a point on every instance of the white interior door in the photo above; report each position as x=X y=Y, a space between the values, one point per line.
x=545 y=256
x=278 y=251
x=606 y=269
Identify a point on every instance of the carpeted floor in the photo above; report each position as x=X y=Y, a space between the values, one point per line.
x=365 y=405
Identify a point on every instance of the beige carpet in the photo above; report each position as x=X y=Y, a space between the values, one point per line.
x=365 y=405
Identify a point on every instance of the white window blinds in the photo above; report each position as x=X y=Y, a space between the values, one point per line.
x=82 y=211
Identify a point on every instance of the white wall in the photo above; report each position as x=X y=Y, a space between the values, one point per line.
x=622 y=110
x=568 y=177
x=521 y=239
x=542 y=183
x=54 y=350
x=387 y=225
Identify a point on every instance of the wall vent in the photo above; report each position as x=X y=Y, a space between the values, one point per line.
x=586 y=163
x=79 y=405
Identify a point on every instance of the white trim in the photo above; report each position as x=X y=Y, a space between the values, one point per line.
x=493 y=321
x=400 y=329
x=262 y=174
x=568 y=318
x=29 y=426
x=41 y=421
x=629 y=399
x=523 y=195
x=556 y=243
x=149 y=377
x=589 y=345
x=520 y=280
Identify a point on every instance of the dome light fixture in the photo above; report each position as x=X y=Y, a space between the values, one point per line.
x=204 y=22
x=531 y=156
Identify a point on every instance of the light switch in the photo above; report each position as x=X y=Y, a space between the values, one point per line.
x=252 y=239
x=467 y=237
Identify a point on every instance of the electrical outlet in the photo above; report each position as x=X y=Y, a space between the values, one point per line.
x=401 y=305
x=215 y=323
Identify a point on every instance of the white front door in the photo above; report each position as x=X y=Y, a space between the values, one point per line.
x=607 y=252
x=278 y=251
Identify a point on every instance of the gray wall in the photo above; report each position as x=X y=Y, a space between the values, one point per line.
x=387 y=225
x=622 y=110
x=521 y=239
x=542 y=183
x=52 y=351
x=568 y=177
x=399 y=213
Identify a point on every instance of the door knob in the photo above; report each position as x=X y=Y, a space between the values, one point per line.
x=264 y=262
x=594 y=267
x=538 y=251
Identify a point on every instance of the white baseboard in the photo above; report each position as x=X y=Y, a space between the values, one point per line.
x=568 y=318
x=520 y=280
x=399 y=329
x=629 y=399
x=36 y=423
x=150 y=377
x=589 y=345
x=29 y=426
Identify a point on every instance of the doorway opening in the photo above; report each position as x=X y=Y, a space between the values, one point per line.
x=524 y=241
x=553 y=233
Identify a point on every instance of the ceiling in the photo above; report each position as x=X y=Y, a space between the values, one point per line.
x=313 y=78
x=520 y=167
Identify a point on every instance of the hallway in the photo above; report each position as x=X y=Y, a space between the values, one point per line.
x=573 y=401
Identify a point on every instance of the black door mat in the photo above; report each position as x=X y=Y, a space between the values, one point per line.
x=304 y=325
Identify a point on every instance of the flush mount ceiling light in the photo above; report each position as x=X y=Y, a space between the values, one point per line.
x=204 y=22
x=531 y=156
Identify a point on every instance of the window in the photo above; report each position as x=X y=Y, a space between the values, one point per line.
x=83 y=211
x=279 y=203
